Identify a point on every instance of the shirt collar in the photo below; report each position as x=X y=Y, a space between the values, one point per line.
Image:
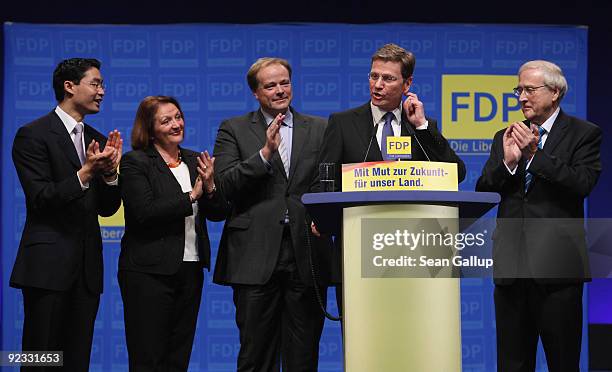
x=377 y=114
x=68 y=120
x=551 y=120
x=288 y=118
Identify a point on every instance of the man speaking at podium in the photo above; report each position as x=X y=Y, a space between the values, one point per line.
x=356 y=135
x=543 y=168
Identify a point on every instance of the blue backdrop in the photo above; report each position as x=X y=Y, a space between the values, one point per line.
x=464 y=75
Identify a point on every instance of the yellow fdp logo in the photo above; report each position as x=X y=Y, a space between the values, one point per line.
x=477 y=106
x=399 y=147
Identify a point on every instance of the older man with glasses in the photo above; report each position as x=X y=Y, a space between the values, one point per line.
x=543 y=167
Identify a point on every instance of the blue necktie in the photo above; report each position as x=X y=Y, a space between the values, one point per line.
x=386 y=132
x=528 y=175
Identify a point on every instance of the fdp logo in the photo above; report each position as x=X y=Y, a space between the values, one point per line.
x=33 y=48
x=471 y=310
x=128 y=90
x=33 y=92
x=363 y=44
x=562 y=47
x=422 y=44
x=321 y=92
x=81 y=43
x=226 y=92
x=220 y=310
x=320 y=48
x=266 y=43
x=510 y=49
x=178 y=49
x=130 y=49
x=222 y=352
x=330 y=352
x=226 y=49
x=472 y=352
x=477 y=106
x=185 y=88
x=463 y=49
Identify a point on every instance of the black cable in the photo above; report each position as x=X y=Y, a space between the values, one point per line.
x=315 y=284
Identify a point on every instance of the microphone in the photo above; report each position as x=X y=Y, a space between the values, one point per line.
x=412 y=132
x=370 y=144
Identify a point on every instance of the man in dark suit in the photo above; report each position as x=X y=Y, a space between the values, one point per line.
x=543 y=168
x=355 y=136
x=266 y=160
x=68 y=172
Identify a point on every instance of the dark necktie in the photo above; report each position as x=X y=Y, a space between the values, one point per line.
x=386 y=132
x=528 y=175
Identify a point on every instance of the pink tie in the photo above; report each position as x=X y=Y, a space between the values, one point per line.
x=78 y=142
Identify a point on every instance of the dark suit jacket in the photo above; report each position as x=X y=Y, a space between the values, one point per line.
x=251 y=239
x=61 y=232
x=550 y=214
x=349 y=133
x=155 y=210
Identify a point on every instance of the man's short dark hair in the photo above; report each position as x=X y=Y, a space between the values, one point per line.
x=395 y=53
x=72 y=69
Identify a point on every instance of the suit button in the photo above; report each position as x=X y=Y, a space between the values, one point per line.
x=287 y=194
x=526 y=199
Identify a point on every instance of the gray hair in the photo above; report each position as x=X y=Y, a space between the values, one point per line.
x=552 y=74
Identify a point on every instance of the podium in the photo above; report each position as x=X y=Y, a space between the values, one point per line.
x=397 y=324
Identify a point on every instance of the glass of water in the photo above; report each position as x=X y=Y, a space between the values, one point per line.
x=327 y=177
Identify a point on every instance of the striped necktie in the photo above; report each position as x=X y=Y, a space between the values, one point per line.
x=282 y=151
x=528 y=175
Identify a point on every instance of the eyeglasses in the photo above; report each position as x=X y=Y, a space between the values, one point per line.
x=528 y=90
x=385 y=78
x=97 y=85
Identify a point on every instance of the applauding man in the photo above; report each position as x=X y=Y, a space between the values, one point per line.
x=543 y=168
x=68 y=172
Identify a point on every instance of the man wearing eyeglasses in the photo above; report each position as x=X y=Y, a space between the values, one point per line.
x=355 y=135
x=543 y=167
x=68 y=172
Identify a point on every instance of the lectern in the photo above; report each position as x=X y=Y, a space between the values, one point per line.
x=397 y=324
